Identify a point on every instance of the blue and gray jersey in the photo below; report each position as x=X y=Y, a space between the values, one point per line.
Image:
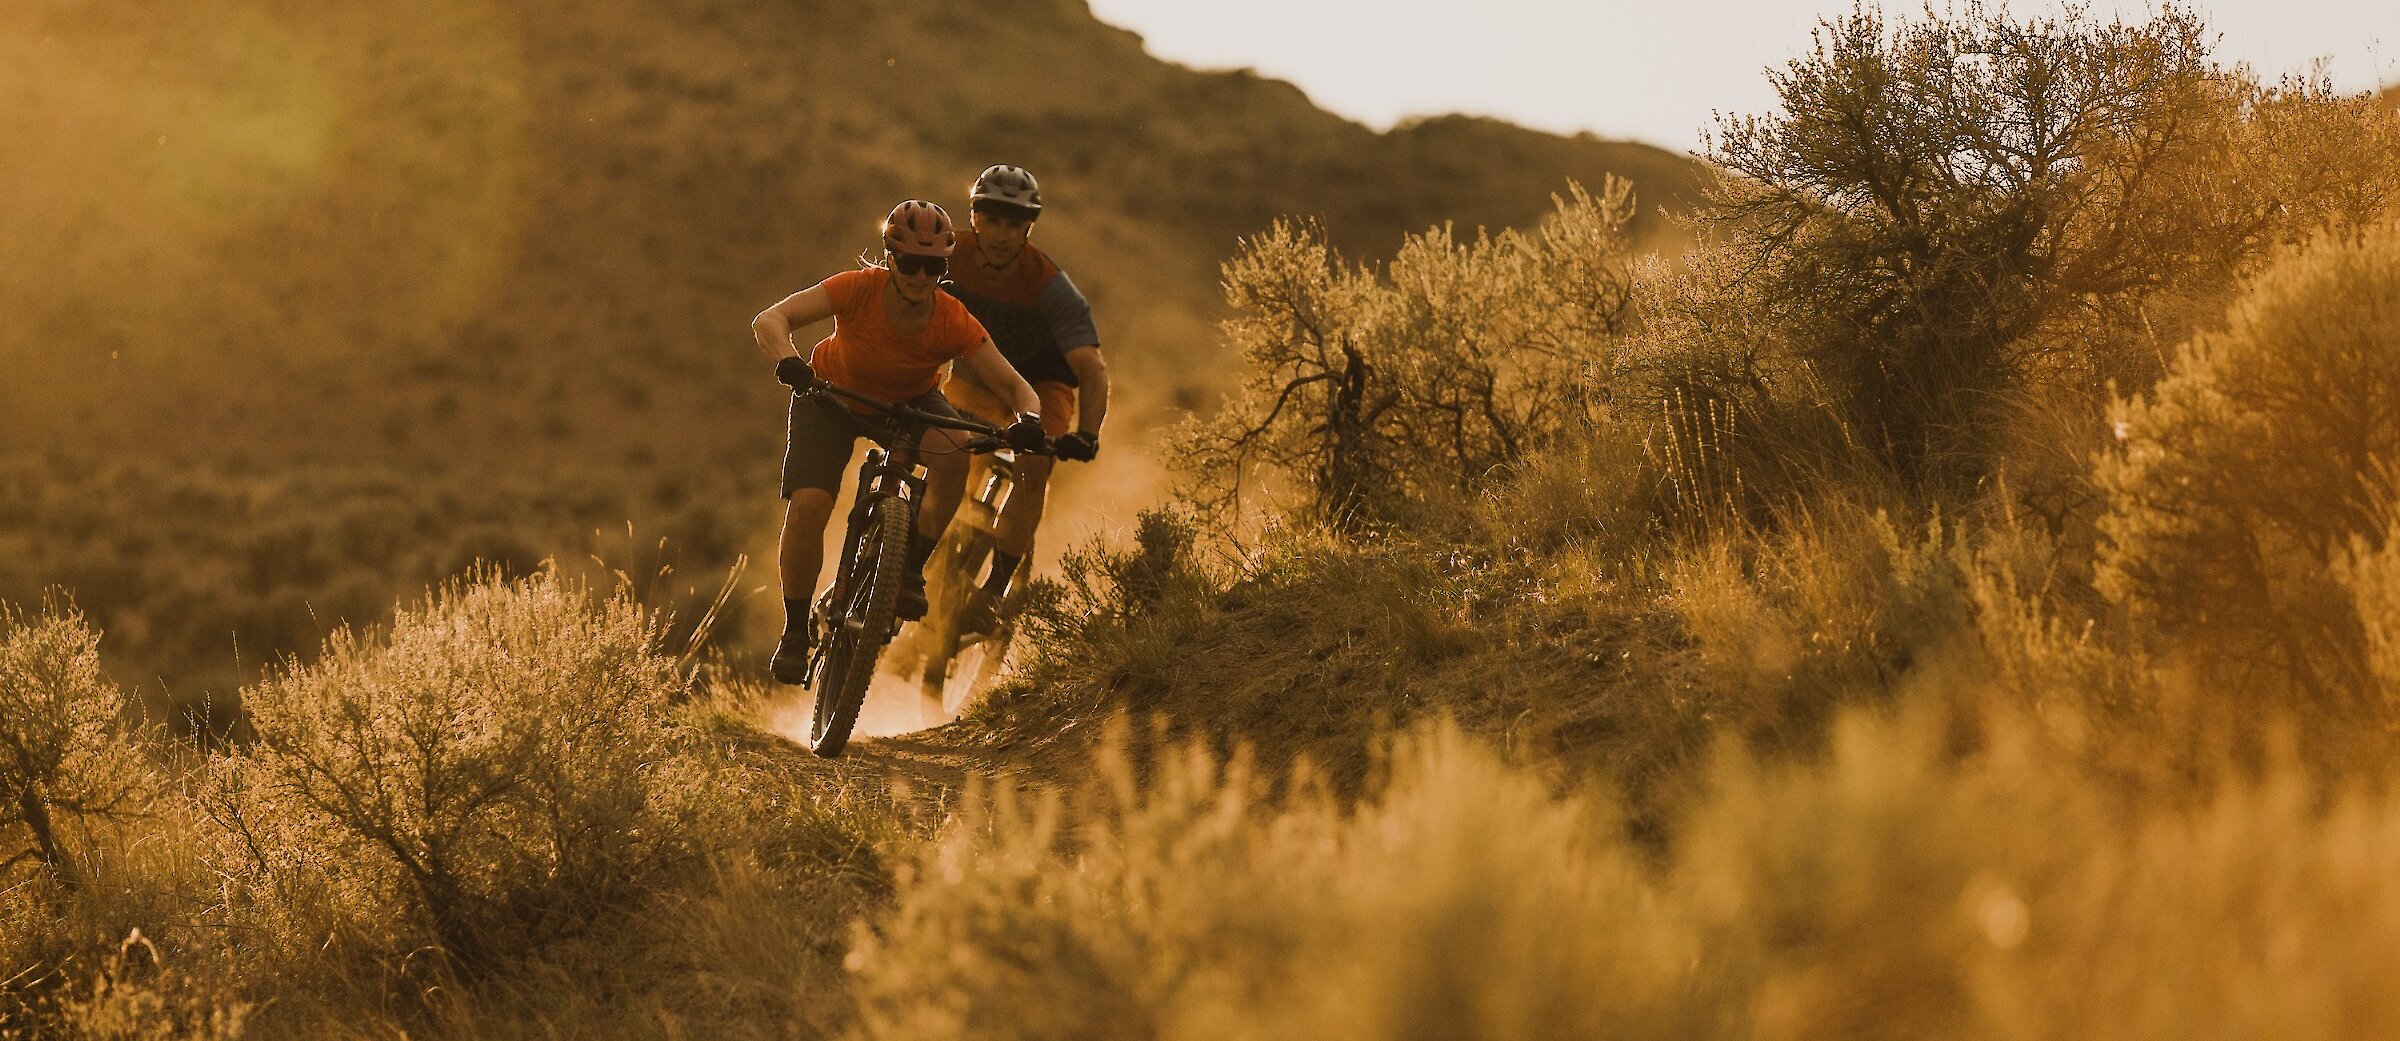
x=1035 y=339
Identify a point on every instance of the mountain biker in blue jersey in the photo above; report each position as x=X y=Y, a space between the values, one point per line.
x=894 y=331
x=1043 y=326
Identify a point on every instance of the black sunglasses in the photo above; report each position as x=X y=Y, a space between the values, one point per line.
x=916 y=264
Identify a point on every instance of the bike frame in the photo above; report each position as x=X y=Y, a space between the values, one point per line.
x=890 y=469
x=857 y=616
x=885 y=473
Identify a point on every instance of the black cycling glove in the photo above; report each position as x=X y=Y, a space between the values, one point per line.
x=794 y=372
x=1079 y=445
x=1025 y=435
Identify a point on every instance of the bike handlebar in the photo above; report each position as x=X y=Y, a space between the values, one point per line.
x=989 y=437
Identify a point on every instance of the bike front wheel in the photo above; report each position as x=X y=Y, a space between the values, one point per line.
x=863 y=623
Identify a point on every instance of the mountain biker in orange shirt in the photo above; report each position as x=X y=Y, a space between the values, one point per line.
x=1043 y=326
x=893 y=332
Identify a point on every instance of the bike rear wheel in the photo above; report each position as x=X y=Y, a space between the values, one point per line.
x=960 y=558
x=864 y=624
x=968 y=663
x=974 y=666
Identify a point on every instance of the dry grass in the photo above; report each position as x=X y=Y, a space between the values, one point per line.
x=505 y=817
x=1896 y=888
x=376 y=229
x=1677 y=710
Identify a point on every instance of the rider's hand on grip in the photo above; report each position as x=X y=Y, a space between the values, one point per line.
x=1025 y=435
x=794 y=372
x=1081 y=446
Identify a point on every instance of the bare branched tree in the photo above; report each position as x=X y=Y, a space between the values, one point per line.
x=1944 y=209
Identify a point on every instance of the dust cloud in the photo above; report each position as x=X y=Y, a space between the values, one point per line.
x=1087 y=501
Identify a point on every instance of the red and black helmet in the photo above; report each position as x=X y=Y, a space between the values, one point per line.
x=921 y=228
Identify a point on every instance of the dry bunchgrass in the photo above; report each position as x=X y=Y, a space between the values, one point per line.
x=1897 y=888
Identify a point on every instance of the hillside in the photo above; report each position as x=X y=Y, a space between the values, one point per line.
x=309 y=306
x=1605 y=648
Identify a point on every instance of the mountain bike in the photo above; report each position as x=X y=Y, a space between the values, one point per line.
x=857 y=614
x=964 y=652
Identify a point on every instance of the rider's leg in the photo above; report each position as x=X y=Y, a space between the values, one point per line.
x=801 y=553
x=945 y=459
x=817 y=449
x=1012 y=536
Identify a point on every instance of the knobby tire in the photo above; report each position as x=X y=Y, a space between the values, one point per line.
x=962 y=556
x=955 y=668
x=851 y=652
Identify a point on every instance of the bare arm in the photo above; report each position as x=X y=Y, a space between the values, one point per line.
x=995 y=373
x=1091 y=388
x=774 y=326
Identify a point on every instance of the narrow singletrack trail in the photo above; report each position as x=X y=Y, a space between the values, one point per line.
x=920 y=774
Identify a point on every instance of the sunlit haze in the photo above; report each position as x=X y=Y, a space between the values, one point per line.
x=1652 y=71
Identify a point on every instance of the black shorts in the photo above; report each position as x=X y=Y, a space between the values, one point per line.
x=816 y=449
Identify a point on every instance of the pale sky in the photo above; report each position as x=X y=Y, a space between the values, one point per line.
x=1651 y=70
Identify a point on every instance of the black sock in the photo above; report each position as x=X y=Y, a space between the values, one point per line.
x=1004 y=568
x=795 y=614
x=920 y=550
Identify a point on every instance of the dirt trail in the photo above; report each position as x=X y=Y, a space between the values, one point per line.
x=923 y=760
x=920 y=770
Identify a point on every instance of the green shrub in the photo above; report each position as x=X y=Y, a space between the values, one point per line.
x=1947 y=210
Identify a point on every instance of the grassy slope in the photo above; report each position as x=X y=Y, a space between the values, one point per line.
x=1924 y=879
x=384 y=293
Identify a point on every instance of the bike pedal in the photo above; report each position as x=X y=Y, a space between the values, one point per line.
x=853 y=625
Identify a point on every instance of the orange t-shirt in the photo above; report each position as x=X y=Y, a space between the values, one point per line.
x=865 y=355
